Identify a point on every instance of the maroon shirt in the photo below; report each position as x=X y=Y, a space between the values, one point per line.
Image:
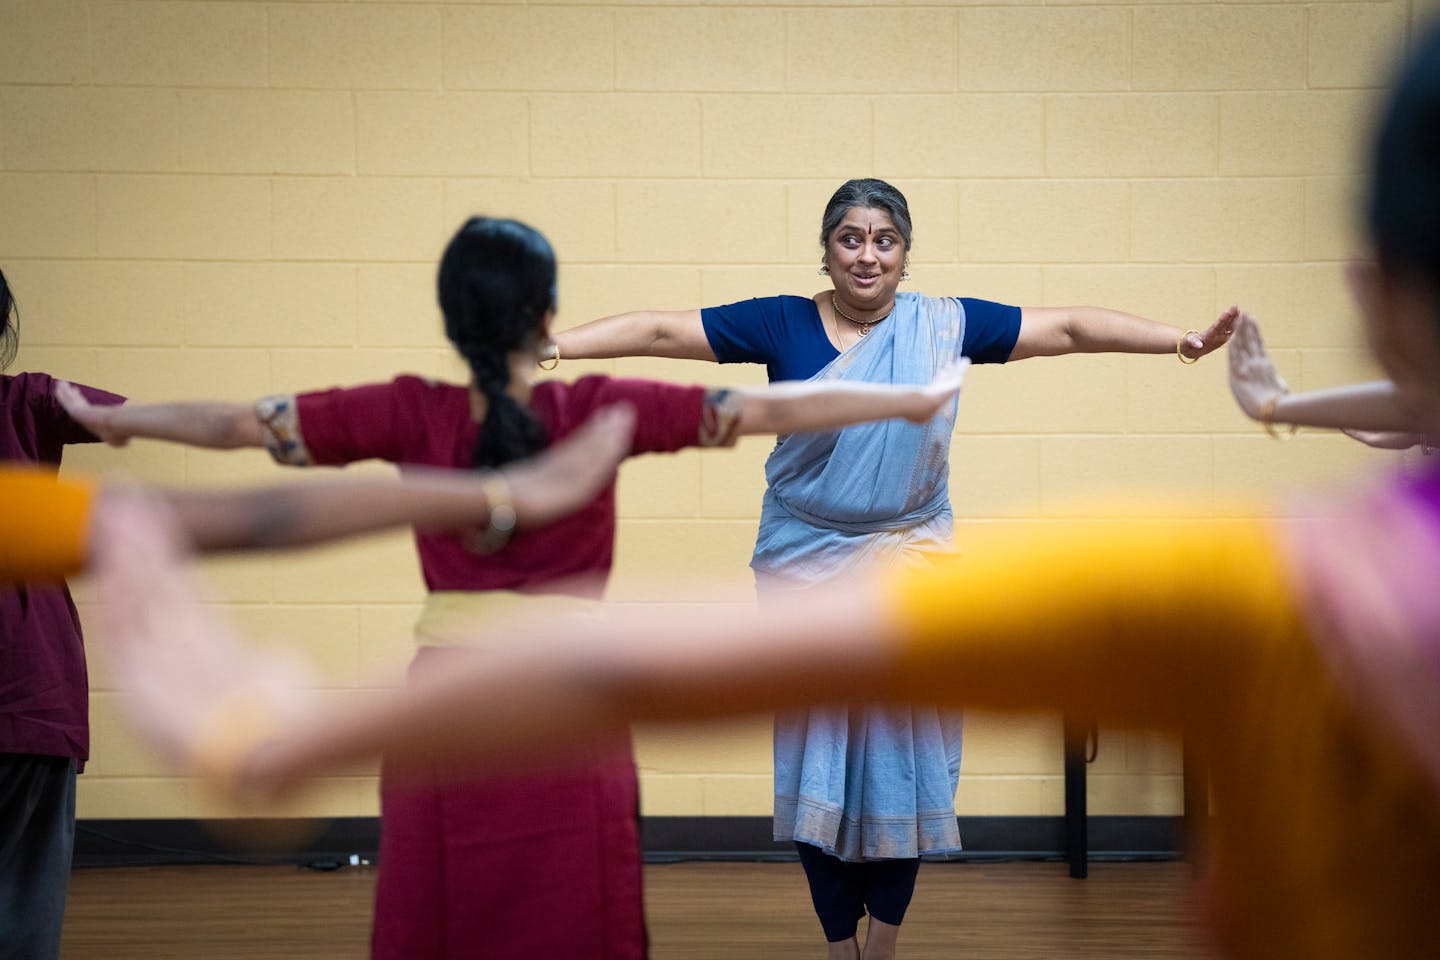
x=44 y=692
x=416 y=421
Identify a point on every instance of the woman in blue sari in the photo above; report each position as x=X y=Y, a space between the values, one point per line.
x=865 y=790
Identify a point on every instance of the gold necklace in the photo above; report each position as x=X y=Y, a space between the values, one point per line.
x=864 y=325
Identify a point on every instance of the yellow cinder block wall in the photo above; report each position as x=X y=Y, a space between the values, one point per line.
x=227 y=199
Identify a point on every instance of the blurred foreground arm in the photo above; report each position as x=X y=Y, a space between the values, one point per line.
x=1118 y=626
x=541 y=489
x=800 y=406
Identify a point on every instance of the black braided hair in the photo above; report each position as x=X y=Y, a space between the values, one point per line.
x=497 y=282
x=9 y=324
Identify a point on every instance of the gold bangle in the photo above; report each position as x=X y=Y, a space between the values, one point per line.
x=1267 y=419
x=501 y=525
x=553 y=361
x=1179 y=345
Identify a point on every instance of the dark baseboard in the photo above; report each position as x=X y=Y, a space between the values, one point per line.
x=333 y=842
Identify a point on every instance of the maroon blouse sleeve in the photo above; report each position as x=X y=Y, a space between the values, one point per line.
x=668 y=417
x=384 y=421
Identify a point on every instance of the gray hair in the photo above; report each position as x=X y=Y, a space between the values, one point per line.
x=874 y=194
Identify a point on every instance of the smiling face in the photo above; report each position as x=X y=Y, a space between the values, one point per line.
x=866 y=255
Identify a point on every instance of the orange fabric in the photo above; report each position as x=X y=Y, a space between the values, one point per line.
x=1327 y=837
x=43 y=523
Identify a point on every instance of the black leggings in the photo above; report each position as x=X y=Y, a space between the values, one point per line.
x=842 y=891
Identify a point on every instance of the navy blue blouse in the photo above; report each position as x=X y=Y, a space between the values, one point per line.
x=787 y=335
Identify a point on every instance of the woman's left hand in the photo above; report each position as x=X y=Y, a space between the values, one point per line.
x=1196 y=345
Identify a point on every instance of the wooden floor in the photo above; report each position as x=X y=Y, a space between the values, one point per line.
x=696 y=911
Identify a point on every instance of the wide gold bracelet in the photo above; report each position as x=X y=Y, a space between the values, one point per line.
x=554 y=360
x=1267 y=419
x=501 y=526
x=1179 y=347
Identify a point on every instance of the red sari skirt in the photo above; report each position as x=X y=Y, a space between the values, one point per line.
x=512 y=868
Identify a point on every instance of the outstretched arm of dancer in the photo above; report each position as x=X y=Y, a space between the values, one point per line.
x=801 y=406
x=779 y=408
x=1044 y=331
x=1373 y=410
x=540 y=490
x=1054 y=331
x=676 y=334
x=1112 y=627
x=44 y=528
x=216 y=425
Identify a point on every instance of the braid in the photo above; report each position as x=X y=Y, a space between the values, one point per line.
x=496 y=284
x=509 y=431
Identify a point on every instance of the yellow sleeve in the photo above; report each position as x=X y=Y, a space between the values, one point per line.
x=43 y=524
x=1123 y=620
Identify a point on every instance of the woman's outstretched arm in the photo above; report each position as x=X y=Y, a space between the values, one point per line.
x=800 y=406
x=221 y=426
x=1265 y=396
x=1054 y=331
x=540 y=490
x=1151 y=624
x=46 y=528
x=677 y=334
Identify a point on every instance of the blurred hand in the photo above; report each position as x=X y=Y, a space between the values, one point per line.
x=98 y=420
x=1253 y=378
x=568 y=475
x=940 y=391
x=194 y=690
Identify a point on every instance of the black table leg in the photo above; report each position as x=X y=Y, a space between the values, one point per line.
x=1077 y=843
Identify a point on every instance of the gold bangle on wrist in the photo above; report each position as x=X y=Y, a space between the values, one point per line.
x=1267 y=419
x=501 y=526
x=1180 y=347
x=553 y=359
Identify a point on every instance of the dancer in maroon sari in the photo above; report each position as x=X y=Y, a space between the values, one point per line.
x=546 y=864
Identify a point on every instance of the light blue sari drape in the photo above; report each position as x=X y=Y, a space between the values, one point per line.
x=866 y=781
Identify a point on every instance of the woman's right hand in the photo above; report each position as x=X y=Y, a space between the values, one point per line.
x=99 y=420
x=569 y=474
x=1253 y=378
